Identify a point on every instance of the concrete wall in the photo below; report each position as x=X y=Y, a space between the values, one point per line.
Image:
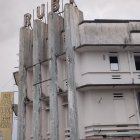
x=94 y=68
x=135 y=38
x=73 y=94
x=103 y=33
x=30 y=84
x=62 y=74
x=102 y=110
x=29 y=112
x=45 y=77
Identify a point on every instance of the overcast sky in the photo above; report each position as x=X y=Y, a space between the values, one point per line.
x=11 y=19
x=11 y=14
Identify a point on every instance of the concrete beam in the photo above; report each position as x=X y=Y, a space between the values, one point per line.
x=39 y=38
x=72 y=17
x=55 y=23
x=25 y=43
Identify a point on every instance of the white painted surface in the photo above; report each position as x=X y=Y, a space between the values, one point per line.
x=93 y=67
x=120 y=110
x=100 y=107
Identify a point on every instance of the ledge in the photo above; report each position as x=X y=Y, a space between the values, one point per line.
x=83 y=45
x=134 y=31
x=108 y=21
x=106 y=85
x=118 y=46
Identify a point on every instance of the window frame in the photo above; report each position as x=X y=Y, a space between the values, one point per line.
x=135 y=54
x=114 y=54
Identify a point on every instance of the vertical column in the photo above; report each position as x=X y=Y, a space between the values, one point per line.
x=38 y=45
x=72 y=17
x=54 y=30
x=25 y=43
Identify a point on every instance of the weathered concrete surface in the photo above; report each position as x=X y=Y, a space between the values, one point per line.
x=72 y=17
x=135 y=37
x=28 y=52
x=133 y=25
x=25 y=43
x=108 y=32
x=55 y=23
x=39 y=53
x=120 y=33
x=103 y=33
x=41 y=32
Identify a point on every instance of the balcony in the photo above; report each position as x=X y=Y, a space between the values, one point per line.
x=112 y=130
x=96 y=79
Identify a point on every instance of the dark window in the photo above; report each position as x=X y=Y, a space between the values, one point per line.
x=138 y=99
x=114 y=63
x=137 y=62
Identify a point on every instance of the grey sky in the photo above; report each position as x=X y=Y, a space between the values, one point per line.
x=11 y=14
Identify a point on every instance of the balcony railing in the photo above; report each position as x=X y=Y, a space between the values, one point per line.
x=108 y=78
x=112 y=129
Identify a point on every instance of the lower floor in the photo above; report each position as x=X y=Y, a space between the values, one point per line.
x=116 y=138
x=102 y=112
x=108 y=112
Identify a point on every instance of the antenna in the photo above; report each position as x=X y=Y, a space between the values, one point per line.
x=47 y=10
x=62 y=7
x=33 y=15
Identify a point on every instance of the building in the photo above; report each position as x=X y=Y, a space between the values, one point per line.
x=78 y=79
x=6 y=115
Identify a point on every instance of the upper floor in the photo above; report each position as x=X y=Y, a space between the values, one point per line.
x=107 y=52
x=121 y=33
x=102 y=68
x=93 y=68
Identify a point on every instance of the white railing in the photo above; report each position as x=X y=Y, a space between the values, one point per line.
x=111 y=129
x=106 y=78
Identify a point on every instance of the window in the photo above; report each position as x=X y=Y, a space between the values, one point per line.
x=138 y=99
x=137 y=62
x=114 y=65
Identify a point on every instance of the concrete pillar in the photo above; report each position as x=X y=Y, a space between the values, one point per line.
x=72 y=17
x=55 y=23
x=25 y=44
x=38 y=55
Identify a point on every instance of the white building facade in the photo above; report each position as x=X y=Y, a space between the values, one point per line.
x=78 y=79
